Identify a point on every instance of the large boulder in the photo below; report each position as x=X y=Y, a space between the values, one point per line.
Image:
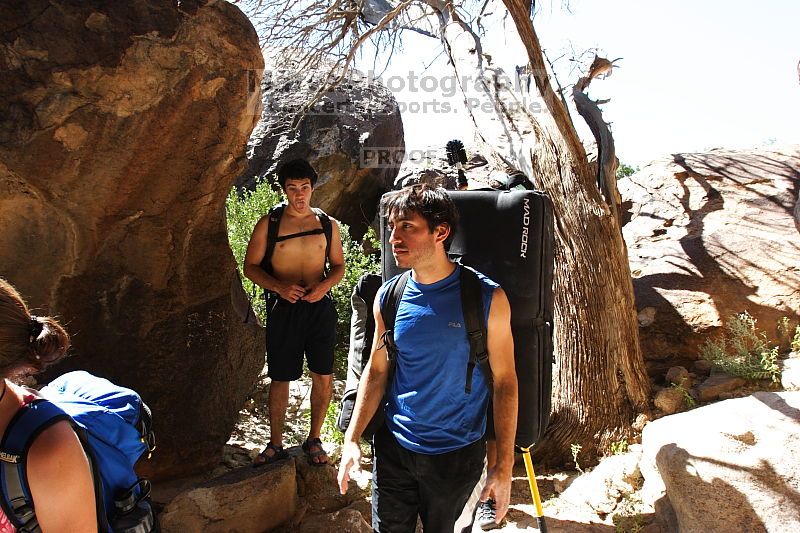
x=290 y=496
x=247 y=500
x=119 y=128
x=711 y=235
x=353 y=137
x=729 y=466
x=601 y=490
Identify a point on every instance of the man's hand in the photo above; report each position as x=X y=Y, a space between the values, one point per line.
x=498 y=482
x=291 y=292
x=316 y=292
x=351 y=458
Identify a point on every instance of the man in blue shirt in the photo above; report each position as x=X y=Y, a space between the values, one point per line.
x=430 y=453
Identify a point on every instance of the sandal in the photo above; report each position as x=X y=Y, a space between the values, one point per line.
x=278 y=454
x=319 y=452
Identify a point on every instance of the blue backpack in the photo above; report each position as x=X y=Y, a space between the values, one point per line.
x=115 y=427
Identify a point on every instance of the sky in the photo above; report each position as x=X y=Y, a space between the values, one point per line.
x=694 y=74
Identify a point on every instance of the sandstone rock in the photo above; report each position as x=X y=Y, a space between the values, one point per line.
x=670 y=400
x=717 y=384
x=117 y=125
x=344 y=521
x=318 y=486
x=790 y=374
x=245 y=500
x=603 y=487
x=729 y=466
x=562 y=481
x=646 y=316
x=344 y=136
x=707 y=234
x=641 y=421
x=431 y=166
x=678 y=376
x=701 y=367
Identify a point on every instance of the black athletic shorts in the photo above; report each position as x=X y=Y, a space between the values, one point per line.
x=297 y=328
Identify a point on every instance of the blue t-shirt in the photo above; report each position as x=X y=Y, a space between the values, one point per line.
x=428 y=410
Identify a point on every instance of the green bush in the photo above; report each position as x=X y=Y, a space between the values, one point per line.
x=743 y=351
x=242 y=212
x=245 y=209
x=623 y=170
x=619 y=447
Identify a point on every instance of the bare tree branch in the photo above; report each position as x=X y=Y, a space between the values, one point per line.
x=558 y=84
x=606 y=151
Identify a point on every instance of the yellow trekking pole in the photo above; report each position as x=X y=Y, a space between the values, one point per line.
x=537 y=501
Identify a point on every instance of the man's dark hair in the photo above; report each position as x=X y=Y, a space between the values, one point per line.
x=432 y=203
x=296 y=169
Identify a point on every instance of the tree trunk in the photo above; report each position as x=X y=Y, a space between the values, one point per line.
x=599 y=379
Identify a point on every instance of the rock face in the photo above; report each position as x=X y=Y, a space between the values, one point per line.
x=353 y=137
x=717 y=384
x=247 y=500
x=670 y=400
x=117 y=125
x=790 y=374
x=430 y=165
x=707 y=235
x=290 y=496
x=601 y=489
x=729 y=466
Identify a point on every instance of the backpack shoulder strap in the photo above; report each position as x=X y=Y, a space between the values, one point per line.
x=394 y=292
x=27 y=424
x=274 y=215
x=475 y=323
x=327 y=229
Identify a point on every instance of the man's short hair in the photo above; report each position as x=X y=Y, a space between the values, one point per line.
x=432 y=203
x=296 y=169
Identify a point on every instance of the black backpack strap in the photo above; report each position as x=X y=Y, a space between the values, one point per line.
x=327 y=229
x=274 y=215
x=144 y=425
x=472 y=308
x=391 y=301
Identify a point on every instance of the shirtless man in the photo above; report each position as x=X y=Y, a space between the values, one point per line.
x=303 y=317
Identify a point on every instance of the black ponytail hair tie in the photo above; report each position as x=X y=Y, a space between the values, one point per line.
x=36 y=328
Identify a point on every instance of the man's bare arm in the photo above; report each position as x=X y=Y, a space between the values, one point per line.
x=336 y=261
x=504 y=376
x=256 y=249
x=371 y=389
